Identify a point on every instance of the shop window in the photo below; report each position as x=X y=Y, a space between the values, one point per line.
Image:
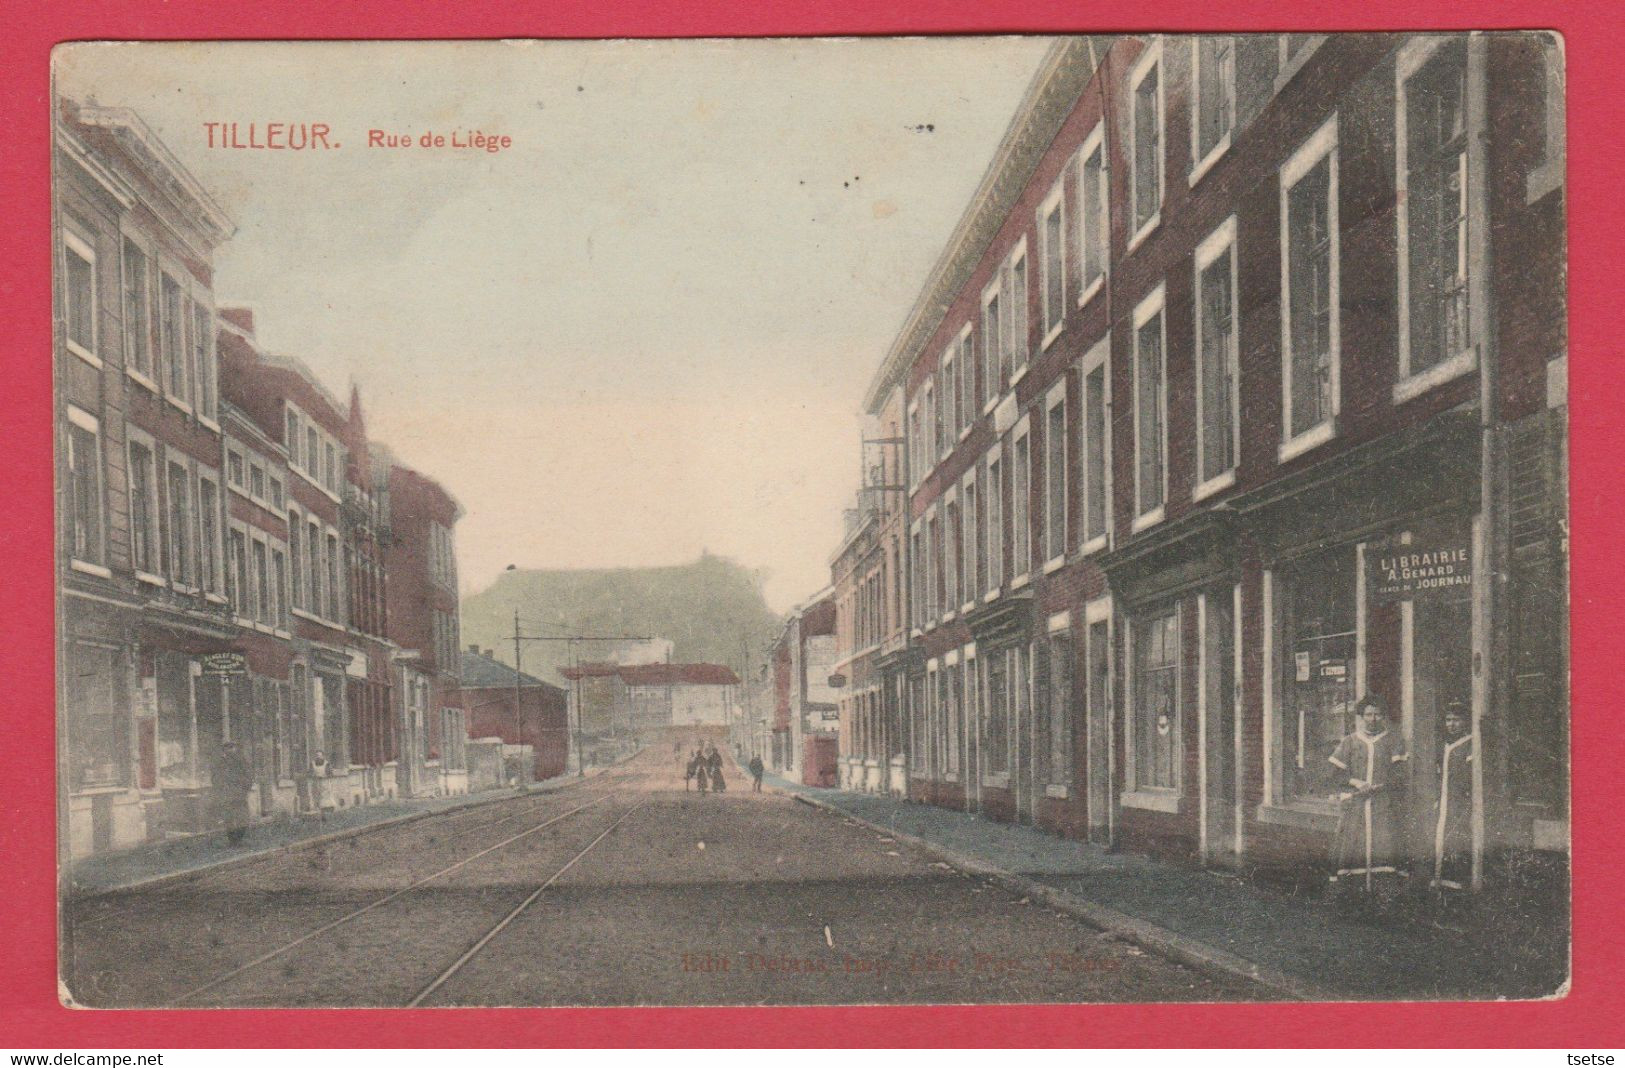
x=1156 y=701
x=98 y=729
x=1317 y=669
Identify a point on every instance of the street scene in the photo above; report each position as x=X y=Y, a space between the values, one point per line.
x=951 y=520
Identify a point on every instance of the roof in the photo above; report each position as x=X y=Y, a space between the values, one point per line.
x=480 y=671
x=1059 y=82
x=659 y=674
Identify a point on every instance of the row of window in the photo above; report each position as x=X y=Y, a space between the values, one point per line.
x=313 y=452
x=251 y=475
x=971 y=709
x=168 y=324
x=1435 y=342
x=316 y=569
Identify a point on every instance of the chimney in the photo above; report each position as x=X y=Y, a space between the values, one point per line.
x=474 y=649
x=491 y=654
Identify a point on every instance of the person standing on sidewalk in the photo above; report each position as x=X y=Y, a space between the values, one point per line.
x=1370 y=765
x=1453 y=808
x=713 y=763
x=232 y=780
x=756 y=770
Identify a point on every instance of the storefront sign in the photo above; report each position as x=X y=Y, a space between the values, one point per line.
x=224 y=664
x=1426 y=567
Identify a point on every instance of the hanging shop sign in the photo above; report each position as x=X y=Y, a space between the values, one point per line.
x=1426 y=567
x=224 y=664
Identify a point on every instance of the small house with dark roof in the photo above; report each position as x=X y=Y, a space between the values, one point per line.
x=516 y=707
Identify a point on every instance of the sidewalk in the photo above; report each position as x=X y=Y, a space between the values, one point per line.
x=180 y=857
x=1297 y=945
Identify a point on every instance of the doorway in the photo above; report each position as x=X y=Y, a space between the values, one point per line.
x=1217 y=709
x=1099 y=739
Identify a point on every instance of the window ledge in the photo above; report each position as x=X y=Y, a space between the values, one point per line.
x=990 y=596
x=948 y=616
x=1213 y=485
x=90 y=569
x=1093 y=545
x=992 y=403
x=210 y=423
x=181 y=587
x=1206 y=163
x=1143 y=232
x=1304 y=815
x=1020 y=580
x=214 y=598
x=950 y=776
x=1054 y=332
x=1312 y=438
x=1057 y=789
x=1091 y=289
x=84 y=354
x=1054 y=564
x=151 y=579
x=142 y=380
x=965 y=433
x=1148 y=519
x=1416 y=385
x=997 y=780
x=1019 y=374
x=1151 y=800
x=177 y=402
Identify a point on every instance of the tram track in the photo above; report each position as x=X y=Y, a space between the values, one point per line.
x=288 y=946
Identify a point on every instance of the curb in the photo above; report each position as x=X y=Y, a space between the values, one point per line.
x=1160 y=940
x=169 y=878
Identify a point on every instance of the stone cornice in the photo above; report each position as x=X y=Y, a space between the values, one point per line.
x=1056 y=87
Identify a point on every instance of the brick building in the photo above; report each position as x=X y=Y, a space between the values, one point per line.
x=223 y=527
x=138 y=447
x=486 y=694
x=807 y=709
x=422 y=612
x=1212 y=359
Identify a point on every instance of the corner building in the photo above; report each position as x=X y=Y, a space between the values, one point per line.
x=1244 y=367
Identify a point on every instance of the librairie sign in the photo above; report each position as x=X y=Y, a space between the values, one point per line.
x=1426 y=567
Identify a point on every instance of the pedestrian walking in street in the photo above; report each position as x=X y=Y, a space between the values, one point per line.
x=1369 y=763
x=1453 y=808
x=701 y=770
x=232 y=780
x=713 y=764
x=756 y=770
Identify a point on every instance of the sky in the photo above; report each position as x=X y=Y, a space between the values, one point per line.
x=641 y=331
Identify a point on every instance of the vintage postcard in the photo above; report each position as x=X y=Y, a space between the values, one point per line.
x=812 y=521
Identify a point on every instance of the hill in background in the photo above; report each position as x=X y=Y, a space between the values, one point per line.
x=712 y=611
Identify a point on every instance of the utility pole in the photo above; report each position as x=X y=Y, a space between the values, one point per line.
x=575 y=672
x=518 y=714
